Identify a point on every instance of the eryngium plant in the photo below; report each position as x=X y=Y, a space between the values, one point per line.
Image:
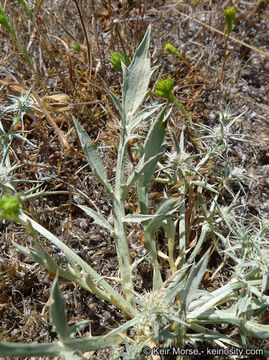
x=21 y=105
x=176 y=311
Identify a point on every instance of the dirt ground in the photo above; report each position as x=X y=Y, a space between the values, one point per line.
x=201 y=84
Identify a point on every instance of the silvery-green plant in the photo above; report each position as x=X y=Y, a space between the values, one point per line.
x=135 y=86
x=8 y=182
x=247 y=246
x=21 y=105
x=176 y=311
x=220 y=136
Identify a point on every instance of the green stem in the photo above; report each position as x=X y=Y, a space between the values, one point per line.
x=122 y=248
x=225 y=52
x=181 y=260
x=171 y=244
x=153 y=259
x=150 y=242
x=182 y=108
x=121 y=241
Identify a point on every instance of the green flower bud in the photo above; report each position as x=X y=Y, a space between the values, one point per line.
x=116 y=57
x=173 y=51
x=164 y=88
x=10 y=207
x=229 y=13
x=75 y=47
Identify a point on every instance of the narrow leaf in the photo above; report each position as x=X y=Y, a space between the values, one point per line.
x=247 y=327
x=153 y=146
x=4 y=22
x=58 y=315
x=116 y=102
x=26 y=9
x=194 y=279
x=136 y=218
x=205 y=186
x=142 y=116
x=109 y=293
x=91 y=343
x=91 y=152
x=98 y=218
x=45 y=260
x=58 y=312
x=164 y=211
x=140 y=168
x=176 y=285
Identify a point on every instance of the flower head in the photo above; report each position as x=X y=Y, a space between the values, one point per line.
x=21 y=104
x=173 y=51
x=181 y=160
x=156 y=312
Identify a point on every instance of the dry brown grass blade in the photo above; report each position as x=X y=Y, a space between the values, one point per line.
x=183 y=182
x=88 y=43
x=4 y=70
x=202 y=171
x=14 y=86
x=50 y=120
x=222 y=33
x=69 y=57
x=57 y=102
